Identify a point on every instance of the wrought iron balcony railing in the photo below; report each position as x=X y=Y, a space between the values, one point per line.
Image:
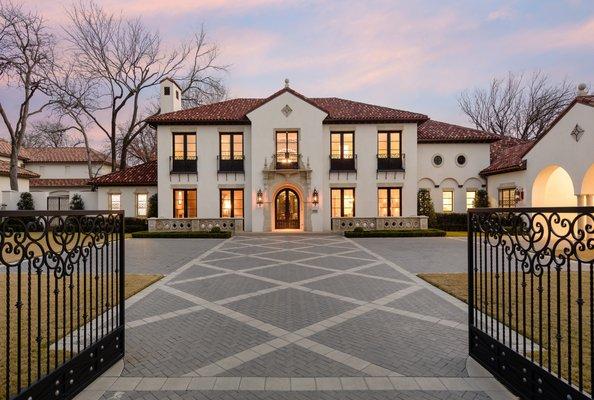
x=230 y=164
x=348 y=163
x=286 y=160
x=387 y=163
x=183 y=165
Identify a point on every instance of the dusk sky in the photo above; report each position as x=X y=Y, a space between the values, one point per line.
x=416 y=57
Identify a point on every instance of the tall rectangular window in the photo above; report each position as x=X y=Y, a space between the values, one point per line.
x=115 y=201
x=388 y=144
x=231 y=146
x=389 y=201
x=448 y=201
x=141 y=204
x=184 y=203
x=184 y=146
x=470 y=196
x=287 y=149
x=507 y=197
x=342 y=145
x=231 y=203
x=343 y=202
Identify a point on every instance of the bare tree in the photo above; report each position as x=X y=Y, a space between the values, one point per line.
x=50 y=133
x=517 y=106
x=122 y=59
x=144 y=147
x=26 y=60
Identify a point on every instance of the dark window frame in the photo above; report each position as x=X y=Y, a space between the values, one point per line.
x=185 y=197
x=512 y=197
x=342 y=201
x=232 y=147
x=389 y=189
x=341 y=134
x=389 y=143
x=232 y=202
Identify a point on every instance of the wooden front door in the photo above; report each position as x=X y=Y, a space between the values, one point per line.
x=286 y=210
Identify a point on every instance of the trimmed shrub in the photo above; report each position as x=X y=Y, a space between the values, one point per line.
x=76 y=202
x=26 y=202
x=481 y=199
x=450 y=221
x=215 y=229
x=153 y=206
x=425 y=205
x=403 y=233
x=183 y=235
x=135 y=224
x=359 y=229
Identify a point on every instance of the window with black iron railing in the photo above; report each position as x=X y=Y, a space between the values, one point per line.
x=342 y=151
x=389 y=151
x=184 y=159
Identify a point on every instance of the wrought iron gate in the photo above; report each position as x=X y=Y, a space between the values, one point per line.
x=530 y=296
x=62 y=289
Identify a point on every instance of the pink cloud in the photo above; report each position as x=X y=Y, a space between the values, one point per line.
x=571 y=36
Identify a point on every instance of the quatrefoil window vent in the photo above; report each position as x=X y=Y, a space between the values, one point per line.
x=577 y=132
x=287 y=110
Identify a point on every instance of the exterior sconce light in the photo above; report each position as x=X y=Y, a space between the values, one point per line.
x=259 y=198
x=519 y=194
x=315 y=198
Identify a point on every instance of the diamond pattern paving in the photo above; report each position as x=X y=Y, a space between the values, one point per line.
x=293 y=360
x=223 y=287
x=408 y=346
x=291 y=309
x=289 y=342
x=290 y=272
x=177 y=346
x=156 y=303
x=357 y=287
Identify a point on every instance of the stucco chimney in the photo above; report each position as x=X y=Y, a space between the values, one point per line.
x=170 y=96
x=582 y=89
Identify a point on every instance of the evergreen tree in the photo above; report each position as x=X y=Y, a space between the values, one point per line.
x=76 y=202
x=153 y=206
x=481 y=199
x=425 y=205
x=26 y=202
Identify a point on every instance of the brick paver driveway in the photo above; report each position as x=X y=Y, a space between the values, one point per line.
x=297 y=317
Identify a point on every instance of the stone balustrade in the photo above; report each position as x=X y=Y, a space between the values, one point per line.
x=380 y=223
x=195 y=224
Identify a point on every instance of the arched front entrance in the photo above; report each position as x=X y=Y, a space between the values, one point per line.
x=287 y=210
x=553 y=187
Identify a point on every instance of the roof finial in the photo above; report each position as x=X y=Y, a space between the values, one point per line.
x=287 y=83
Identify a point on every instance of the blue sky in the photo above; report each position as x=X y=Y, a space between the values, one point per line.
x=417 y=55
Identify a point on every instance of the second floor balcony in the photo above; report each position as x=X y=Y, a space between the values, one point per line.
x=344 y=163
x=183 y=165
x=230 y=163
x=286 y=160
x=390 y=163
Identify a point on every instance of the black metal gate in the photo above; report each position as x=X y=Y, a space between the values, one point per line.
x=62 y=299
x=530 y=293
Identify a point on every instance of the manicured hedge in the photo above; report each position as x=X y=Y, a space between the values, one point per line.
x=135 y=224
x=450 y=222
x=403 y=233
x=183 y=235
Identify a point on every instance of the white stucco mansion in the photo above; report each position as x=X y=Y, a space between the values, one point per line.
x=291 y=162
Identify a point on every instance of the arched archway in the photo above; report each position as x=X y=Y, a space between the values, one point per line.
x=287 y=209
x=588 y=181
x=553 y=187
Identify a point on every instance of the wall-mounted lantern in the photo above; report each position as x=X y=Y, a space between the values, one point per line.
x=519 y=194
x=315 y=198
x=259 y=198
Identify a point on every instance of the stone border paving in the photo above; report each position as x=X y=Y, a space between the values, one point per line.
x=378 y=378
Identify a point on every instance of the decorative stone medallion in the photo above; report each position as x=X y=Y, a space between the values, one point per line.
x=577 y=132
x=287 y=110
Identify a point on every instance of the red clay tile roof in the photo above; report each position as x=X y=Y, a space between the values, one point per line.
x=507 y=155
x=235 y=112
x=23 y=173
x=63 y=155
x=587 y=100
x=50 y=182
x=6 y=147
x=441 y=132
x=138 y=175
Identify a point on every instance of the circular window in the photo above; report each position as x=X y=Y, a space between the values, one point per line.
x=460 y=160
x=437 y=160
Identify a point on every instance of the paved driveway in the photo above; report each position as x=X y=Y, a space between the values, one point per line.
x=297 y=317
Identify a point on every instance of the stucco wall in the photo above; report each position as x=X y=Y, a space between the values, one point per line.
x=505 y=181
x=449 y=175
x=66 y=170
x=128 y=197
